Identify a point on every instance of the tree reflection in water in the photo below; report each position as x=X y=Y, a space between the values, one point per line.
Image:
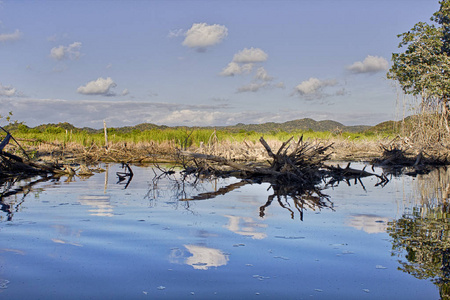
x=423 y=233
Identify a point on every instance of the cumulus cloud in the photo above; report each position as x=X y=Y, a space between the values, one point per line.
x=243 y=63
x=101 y=86
x=7 y=91
x=66 y=52
x=252 y=55
x=371 y=64
x=234 y=68
x=4 y=37
x=202 y=35
x=313 y=86
x=261 y=74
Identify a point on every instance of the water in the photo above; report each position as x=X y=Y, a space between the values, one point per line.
x=93 y=239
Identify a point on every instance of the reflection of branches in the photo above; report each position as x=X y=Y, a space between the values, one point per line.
x=124 y=175
x=168 y=184
x=13 y=186
x=302 y=199
x=187 y=185
x=219 y=192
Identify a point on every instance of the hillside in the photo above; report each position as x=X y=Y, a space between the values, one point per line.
x=300 y=124
x=289 y=126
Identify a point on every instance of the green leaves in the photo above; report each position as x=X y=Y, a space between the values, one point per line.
x=423 y=69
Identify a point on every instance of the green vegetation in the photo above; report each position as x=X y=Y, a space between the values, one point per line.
x=63 y=133
x=423 y=71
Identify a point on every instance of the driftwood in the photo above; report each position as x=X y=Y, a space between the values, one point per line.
x=302 y=167
x=295 y=173
x=399 y=159
x=12 y=165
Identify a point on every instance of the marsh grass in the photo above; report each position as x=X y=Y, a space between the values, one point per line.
x=427 y=129
x=154 y=144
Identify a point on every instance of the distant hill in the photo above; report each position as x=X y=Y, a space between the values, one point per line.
x=300 y=124
x=289 y=126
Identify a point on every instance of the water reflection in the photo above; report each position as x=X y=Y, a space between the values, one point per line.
x=422 y=233
x=198 y=256
x=100 y=204
x=65 y=233
x=11 y=188
x=368 y=223
x=301 y=199
x=245 y=226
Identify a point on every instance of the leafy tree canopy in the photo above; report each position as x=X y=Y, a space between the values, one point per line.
x=423 y=69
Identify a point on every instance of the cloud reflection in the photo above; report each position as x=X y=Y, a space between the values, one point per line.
x=245 y=226
x=368 y=223
x=100 y=203
x=199 y=257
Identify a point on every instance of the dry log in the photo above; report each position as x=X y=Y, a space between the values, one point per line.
x=232 y=164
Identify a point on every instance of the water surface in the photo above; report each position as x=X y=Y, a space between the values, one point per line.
x=93 y=238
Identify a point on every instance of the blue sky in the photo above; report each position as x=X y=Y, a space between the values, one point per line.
x=201 y=63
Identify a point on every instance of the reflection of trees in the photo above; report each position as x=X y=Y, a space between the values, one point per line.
x=424 y=233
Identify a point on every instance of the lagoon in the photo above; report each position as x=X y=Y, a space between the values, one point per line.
x=97 y=238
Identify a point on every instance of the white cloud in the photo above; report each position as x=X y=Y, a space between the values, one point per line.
x=91 y=113
x=101 y=86
x=371 y=64
x=234 y=68
x=66 y=52
x=243 y=63
x=7 y=91
x=252 y=87
x=313 y=86
x=202 y=35
x=176 y=33
x=252 y=55
x=261 y=74
x=125 y=92
x=4 y=37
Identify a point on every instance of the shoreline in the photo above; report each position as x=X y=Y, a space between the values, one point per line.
x=151 y=152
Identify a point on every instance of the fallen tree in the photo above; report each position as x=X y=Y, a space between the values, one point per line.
x=297 y=173
x=12 y=165
x=300 y=164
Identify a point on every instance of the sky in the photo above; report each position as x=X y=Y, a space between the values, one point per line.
x=202 y=63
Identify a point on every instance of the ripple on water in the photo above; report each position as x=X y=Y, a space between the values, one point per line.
x=4 y=283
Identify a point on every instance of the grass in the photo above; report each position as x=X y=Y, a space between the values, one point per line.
x=181 y=137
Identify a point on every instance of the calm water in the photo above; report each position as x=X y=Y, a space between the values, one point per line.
x=93 y=239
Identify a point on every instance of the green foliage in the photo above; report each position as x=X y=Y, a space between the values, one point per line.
x=423 y=69
x=8 y=117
